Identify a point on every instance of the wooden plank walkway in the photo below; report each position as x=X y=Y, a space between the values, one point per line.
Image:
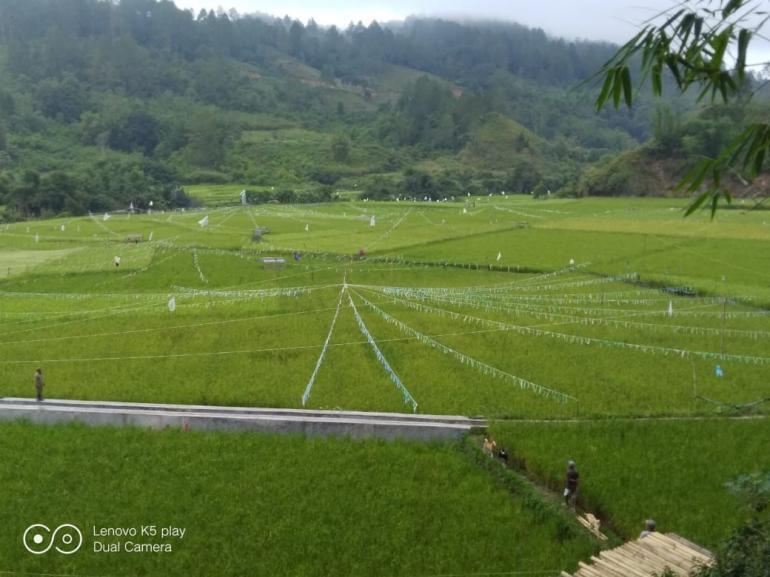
x=646 y=557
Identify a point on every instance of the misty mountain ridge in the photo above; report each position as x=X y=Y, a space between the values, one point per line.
x=103 y=104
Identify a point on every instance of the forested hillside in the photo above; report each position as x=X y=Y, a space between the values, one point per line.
x=103 y=104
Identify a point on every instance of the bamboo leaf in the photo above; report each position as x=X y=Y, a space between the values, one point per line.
x=627 y=89
x=605 y=93
x=617 y=86
x=657 y=81
x=733 y=150
x=703 y=92
x=731 y=7
x=698 y=28
x=759 y=160
x=720 y=43
x=759 y=143
x=724 y=84
x=673 y=66
x=744 y=37
x=696 y=204
x=673 y=19
x=685 y=29
x=693 y=179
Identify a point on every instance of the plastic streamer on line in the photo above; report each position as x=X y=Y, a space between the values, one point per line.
x=522 y=284
x=575 y=298
x=581 y=340
x=392 y=228
x=408 y=398
x=592 y=321
x=511 y=287
x=197 y=265
x=477 y=303
x=252 y=294
x=547 y=275
x=101 y=225
x=470 y=361
x=311 y=382
x=82 y=296
x=556 y=286
x=239 y=253
x=565 y=299
x=504 y=305
x=531 y=301
x=558 y=304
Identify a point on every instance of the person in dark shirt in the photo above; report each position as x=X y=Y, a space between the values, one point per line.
x=571 y=485
x=39 y=383
x=649 y=529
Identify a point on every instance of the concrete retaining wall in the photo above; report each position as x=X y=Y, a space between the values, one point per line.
x=207 y=418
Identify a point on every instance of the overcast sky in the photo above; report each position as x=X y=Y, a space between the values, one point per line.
x=613 y=20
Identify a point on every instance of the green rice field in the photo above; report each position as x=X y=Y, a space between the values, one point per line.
x=672 y=471
x=304 y=507
x=476 y=314
x=612 y=331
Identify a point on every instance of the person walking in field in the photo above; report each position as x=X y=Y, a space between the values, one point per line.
x=571 y=485
x=39 y=383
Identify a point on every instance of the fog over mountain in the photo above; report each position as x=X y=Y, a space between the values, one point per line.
x=585 y=19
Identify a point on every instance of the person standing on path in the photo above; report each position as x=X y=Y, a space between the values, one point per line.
x=39 y=383
x=571 y=485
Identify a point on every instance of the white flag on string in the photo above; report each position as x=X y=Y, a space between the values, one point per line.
x=172 y=304
x=106 y=216
x=670 y=308
x=204 y=222
x=307 y=227
x=499 y=256
x=572 y=262
x=372 y=221
x=62 y=228
x=150 y=239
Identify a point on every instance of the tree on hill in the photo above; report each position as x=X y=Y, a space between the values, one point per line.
x=701 y=44
x=340 y=148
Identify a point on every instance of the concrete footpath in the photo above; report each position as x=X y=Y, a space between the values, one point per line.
x=207 y=418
